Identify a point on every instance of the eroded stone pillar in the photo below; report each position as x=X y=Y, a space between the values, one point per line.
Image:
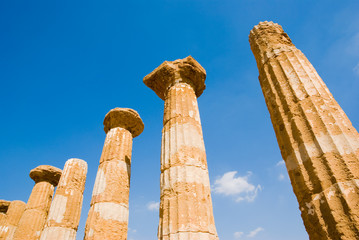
x=317 y=141
x=34 y=217
x=4 y=206
x=108 y=215
x=65 y=211
x=13 y=215
x=186 y=205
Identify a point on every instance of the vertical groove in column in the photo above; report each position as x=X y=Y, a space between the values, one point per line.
x=108 y=215
x=186 y=205
x=317 y=140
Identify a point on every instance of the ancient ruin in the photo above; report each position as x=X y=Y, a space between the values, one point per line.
x=108 y=215
x=186 y=204
x=65 y=210
x=317 y=141
x=13 y=214
x=34 y=217
x=4 y=206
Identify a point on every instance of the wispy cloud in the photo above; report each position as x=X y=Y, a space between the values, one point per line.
x=153 y=206
x=280 y=163
x=356 y=69
x=281 y=177
x=255 y=232
x=229 y=185
x=281 y=166
x=238 y=235
x=352 y=46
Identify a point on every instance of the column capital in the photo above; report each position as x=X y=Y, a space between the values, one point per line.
x=4 y=205
x=46 y=173
x=268 y=40
x=185 y=70
x=126 y=118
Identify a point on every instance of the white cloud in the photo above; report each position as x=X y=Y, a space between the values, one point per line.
x=229 y=185
x=352 y=46
x=356 y=69
x=255 y=232
x=238 y=235
x=281 y=177
x=280 y=163
x=152 y=206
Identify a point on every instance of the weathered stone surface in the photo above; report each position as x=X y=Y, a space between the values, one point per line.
x=185 y=70
x=186 y=205
x=46 y=173
x=34 y=217
x=108 y=215
x=125 y=118
x=4 y=205
x=13 y=215
x=2 y=222
x=65 y=210
x=317 y=140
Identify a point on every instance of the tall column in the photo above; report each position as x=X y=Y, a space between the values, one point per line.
x=186 y=205
x=13 y=215
x=317 y=141
x=108 y=215
x=65 y=211
x=34 y=217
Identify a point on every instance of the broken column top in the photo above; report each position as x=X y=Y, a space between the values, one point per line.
x=46 y=173
x=4 y=205
x=168 y=73
x=268 y=39
x=125 y=118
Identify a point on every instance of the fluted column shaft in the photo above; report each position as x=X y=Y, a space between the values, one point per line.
x=317 y=140
x=2 y=222
x=34 y=217
x=13 y=215
x=65 y=211
x=4 y=206
x=108 y=215
x=186 y=205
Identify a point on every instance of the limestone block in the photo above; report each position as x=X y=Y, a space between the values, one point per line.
x=186 y=204
x=317 y=140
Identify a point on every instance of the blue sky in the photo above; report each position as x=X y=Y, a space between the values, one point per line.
x=64 y=65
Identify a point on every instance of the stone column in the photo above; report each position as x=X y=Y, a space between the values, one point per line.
x=13 y=215
x=108 y=215
x=317 y=141
x=4 y=206
x=34 y=217
x=186 y=205
x=65 y=211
